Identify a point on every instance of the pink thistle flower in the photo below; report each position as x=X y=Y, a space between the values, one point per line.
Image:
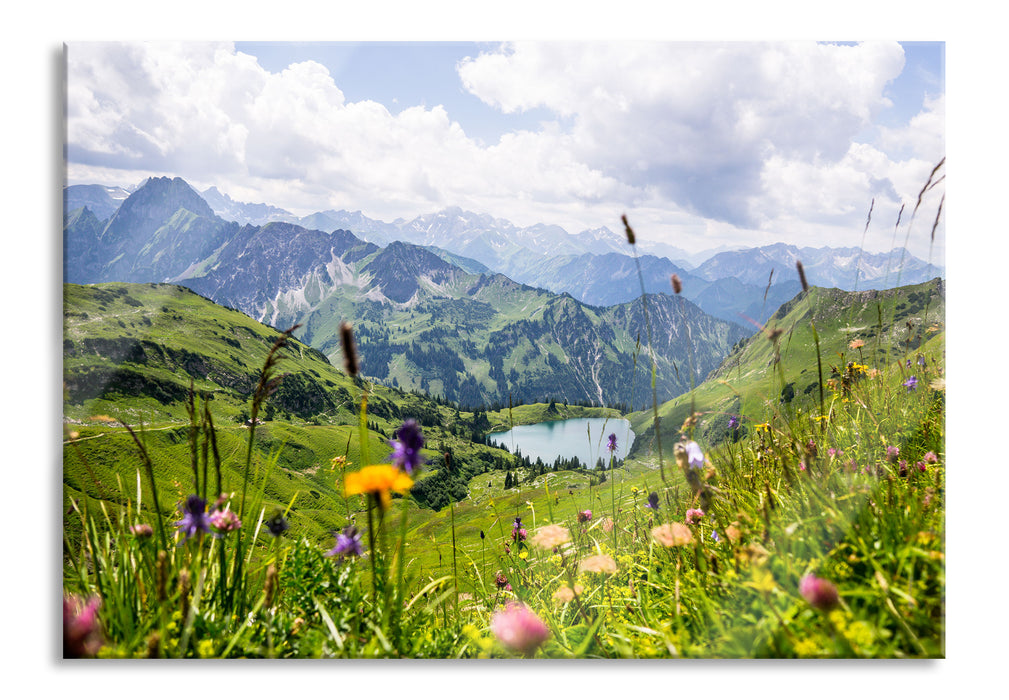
x=519 y=629
x=818 y=592
x=672 y=534
x=224 y=521
x=694 y=515
x=550 y=536
x=584 y=516
x=599 y=564
x=81 y=629
x=142 y=530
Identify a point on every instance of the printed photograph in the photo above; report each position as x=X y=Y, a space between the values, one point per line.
x=530 y=350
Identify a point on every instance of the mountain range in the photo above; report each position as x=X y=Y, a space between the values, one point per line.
x=422 y=322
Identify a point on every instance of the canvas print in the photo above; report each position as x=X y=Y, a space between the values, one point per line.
x=513 y=350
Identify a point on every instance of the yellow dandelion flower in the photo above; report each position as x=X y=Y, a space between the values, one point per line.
x=550 y=536
x=523 y=554
x=672 y=534
x=377 y=480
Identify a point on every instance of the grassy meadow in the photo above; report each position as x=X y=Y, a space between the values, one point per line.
x=228 y=493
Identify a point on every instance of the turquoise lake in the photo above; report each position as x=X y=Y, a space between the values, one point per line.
x=584 y=438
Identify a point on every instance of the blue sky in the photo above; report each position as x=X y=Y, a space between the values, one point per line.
x=704 y=144
x=399 y=75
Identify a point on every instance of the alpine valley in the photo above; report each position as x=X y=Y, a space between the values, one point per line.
x=461 y=306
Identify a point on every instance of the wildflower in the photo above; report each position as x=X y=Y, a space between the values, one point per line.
x=81 y=630
x=694 y=455
x=566 y=595
x=519 y=533
x=811 y=449
x=277 y=524
x=406 y=447
x=142 y=530
x=715 y=537
x=921 y=360
x=733 y=422
x=921 y=466
x=694 y=515
x=599 y=564
x=818 y=592
x=672 y=534
x=500 y=580
x=194 y=518
x=911 y=383
x=584 y=516
x=607 y=524
x=519 y=629
x=224 y=521
x=348 y=543
x=340 y=461
x=931 y=457
x=802 y=466
x=902 y=468
x=377 y=480
x=653 y=501
x=856 y=344
x=892 y=453
x=550 y=536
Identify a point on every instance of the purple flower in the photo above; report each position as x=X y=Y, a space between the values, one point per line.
x=611 y=444
x=653 y=501
x=194 y=518
x=714 y=536
x=694 y=455
x=818 y=592
x=733 y=422
x=911 y=383
x=931 y=457
x=500 y=580
x=406 y=447
x=348 y=543
x=693 y=516
x=584 y=516
x=921 y=360
x=892 y=453
x=277 y=524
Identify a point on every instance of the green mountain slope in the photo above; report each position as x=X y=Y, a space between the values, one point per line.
x=894 y=326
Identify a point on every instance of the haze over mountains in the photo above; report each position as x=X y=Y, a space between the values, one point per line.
x=456 y=304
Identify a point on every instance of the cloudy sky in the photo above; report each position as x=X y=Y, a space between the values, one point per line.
x=702 y=144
